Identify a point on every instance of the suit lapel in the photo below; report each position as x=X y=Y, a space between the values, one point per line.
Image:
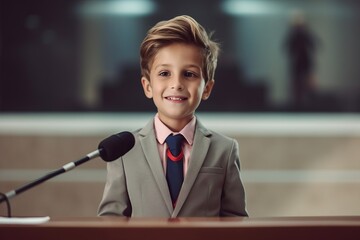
x=199 y=151
x=149 y=146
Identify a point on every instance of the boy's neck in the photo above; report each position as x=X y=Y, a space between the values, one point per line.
x=176 y=125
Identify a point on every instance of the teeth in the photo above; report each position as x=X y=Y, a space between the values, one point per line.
x=175 y=98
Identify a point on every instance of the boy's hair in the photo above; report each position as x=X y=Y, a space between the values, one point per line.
x=181 y=29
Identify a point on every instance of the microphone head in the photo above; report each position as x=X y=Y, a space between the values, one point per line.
x=116 y=145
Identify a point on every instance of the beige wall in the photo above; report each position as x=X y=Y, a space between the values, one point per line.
x=285 y=173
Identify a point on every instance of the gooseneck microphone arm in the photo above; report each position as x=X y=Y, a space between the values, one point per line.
x=109 y=149
x=67 y=167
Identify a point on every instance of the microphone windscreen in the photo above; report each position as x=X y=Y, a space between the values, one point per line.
x=116 y=145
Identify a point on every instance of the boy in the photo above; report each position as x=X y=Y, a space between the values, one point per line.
x=178 y=61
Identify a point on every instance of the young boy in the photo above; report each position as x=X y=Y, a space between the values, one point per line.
x=178 y=61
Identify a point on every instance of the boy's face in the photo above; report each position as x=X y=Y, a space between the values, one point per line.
x=176 y=83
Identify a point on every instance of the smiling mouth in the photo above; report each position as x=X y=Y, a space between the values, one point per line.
x=176 y=98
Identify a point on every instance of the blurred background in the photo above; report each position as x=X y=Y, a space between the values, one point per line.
x=287 y=88
x=277 y=56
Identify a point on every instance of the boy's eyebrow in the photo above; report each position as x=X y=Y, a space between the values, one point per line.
x=193 y=65
x=186 y=66
x=162 y=65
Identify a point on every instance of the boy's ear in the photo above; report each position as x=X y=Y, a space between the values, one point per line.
x=207 y=90
x=147 y=87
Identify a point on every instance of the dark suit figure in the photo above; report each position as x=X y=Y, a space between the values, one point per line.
x=300 y=46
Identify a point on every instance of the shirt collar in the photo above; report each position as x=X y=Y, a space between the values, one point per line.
x=162 y=131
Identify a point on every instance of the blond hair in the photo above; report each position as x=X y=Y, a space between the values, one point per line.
x=181 y=29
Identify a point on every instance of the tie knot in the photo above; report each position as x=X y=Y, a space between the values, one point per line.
x=174 y=143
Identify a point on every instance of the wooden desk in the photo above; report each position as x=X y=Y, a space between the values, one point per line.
x=290 y=228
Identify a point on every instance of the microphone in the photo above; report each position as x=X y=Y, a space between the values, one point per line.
x=109 y=149
x=116 y=145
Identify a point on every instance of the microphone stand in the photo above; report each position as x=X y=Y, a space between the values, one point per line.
x=67 y=167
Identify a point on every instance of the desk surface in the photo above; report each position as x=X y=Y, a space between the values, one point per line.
x=188 y=228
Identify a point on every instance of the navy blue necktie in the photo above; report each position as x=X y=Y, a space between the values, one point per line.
x=174 y=165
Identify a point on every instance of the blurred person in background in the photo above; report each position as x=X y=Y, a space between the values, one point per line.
x=300 y=44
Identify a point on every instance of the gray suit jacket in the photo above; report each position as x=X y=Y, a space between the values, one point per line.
x=136 y=185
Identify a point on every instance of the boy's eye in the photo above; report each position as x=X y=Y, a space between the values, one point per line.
x=164 y=73
x=189 y=74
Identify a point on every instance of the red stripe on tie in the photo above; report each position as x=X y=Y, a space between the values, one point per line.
x=172 y=157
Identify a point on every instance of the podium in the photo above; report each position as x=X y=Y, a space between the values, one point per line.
x=108 y=228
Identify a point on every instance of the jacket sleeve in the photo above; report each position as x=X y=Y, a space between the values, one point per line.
x=115 y=200
x=233 y=201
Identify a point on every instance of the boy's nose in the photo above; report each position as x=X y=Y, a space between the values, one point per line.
x=177 y=83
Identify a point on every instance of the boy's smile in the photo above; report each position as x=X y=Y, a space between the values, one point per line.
x=175 y=98
x=176 y=83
